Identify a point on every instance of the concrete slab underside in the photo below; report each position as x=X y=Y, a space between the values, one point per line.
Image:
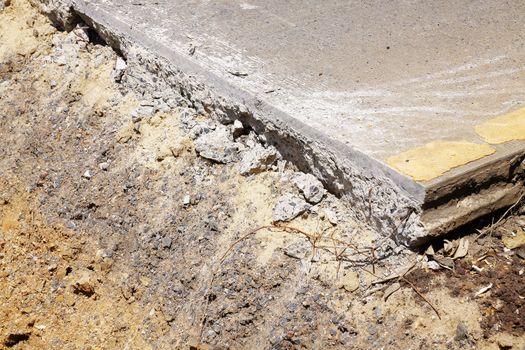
x=341 y=86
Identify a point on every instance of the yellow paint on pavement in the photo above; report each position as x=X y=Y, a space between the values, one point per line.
x=504 y=128
x=436 y=158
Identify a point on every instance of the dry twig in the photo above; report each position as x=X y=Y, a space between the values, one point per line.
x=421 y=295
x=401 y=277
x=314 y=240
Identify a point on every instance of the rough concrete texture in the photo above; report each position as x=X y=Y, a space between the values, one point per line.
x=341 y=87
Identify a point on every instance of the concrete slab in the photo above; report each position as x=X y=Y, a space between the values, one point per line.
x=366 y=95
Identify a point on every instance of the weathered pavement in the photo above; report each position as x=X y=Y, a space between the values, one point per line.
x=402 y=108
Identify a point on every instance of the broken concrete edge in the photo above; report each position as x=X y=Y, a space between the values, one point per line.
x=385 y=199
x=484 y=188
x=504 y=167
x=60 y=13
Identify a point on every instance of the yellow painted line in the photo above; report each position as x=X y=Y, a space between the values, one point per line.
x=436 y=158
x=504 y=128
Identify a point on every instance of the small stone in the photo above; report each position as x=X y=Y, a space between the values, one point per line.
x=87 y=174
x=104 y=253
x=71 y=225
x=120 y=64
x=348 y=280
x=186 y=200
x=257 y=160
x=104 y=166
x=433 y=265
x=120 y=68
x=461 y=332
x=85 y=289
x=143 y=111
x=237 y=128
x=53 y=84
x=345 y=338
x=507 y=341
x=165 y=242
x=289 y=207
x=218 y=146
x=378 y=313
x=223 y=117
x=311 y=188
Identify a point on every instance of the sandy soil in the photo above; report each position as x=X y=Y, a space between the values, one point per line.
x=116 y=234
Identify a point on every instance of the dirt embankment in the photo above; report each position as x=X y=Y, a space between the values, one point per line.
x=122 y=225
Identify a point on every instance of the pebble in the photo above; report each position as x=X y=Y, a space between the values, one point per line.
x=433 y=265
x=143 y=111
x=311 y=188
x=461 y=332
x=104 y=253
x=372 y=329
x=104 y=166
x=288 y=207
x=120 y=64
x=217 y=146
x=186 y=200
x=378 y=313
x=120 y=68
x=257 y=160
x=237 y=128
x=345 y=338
x=87 y=174
x=71 y=225
x=165 y=242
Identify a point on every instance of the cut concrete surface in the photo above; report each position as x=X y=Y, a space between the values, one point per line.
x=412 y=110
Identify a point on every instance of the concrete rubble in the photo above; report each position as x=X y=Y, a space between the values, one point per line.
x=311 y=188
x=257 y=159
x=237 y=128
x=218 y=145
x=288 y=207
